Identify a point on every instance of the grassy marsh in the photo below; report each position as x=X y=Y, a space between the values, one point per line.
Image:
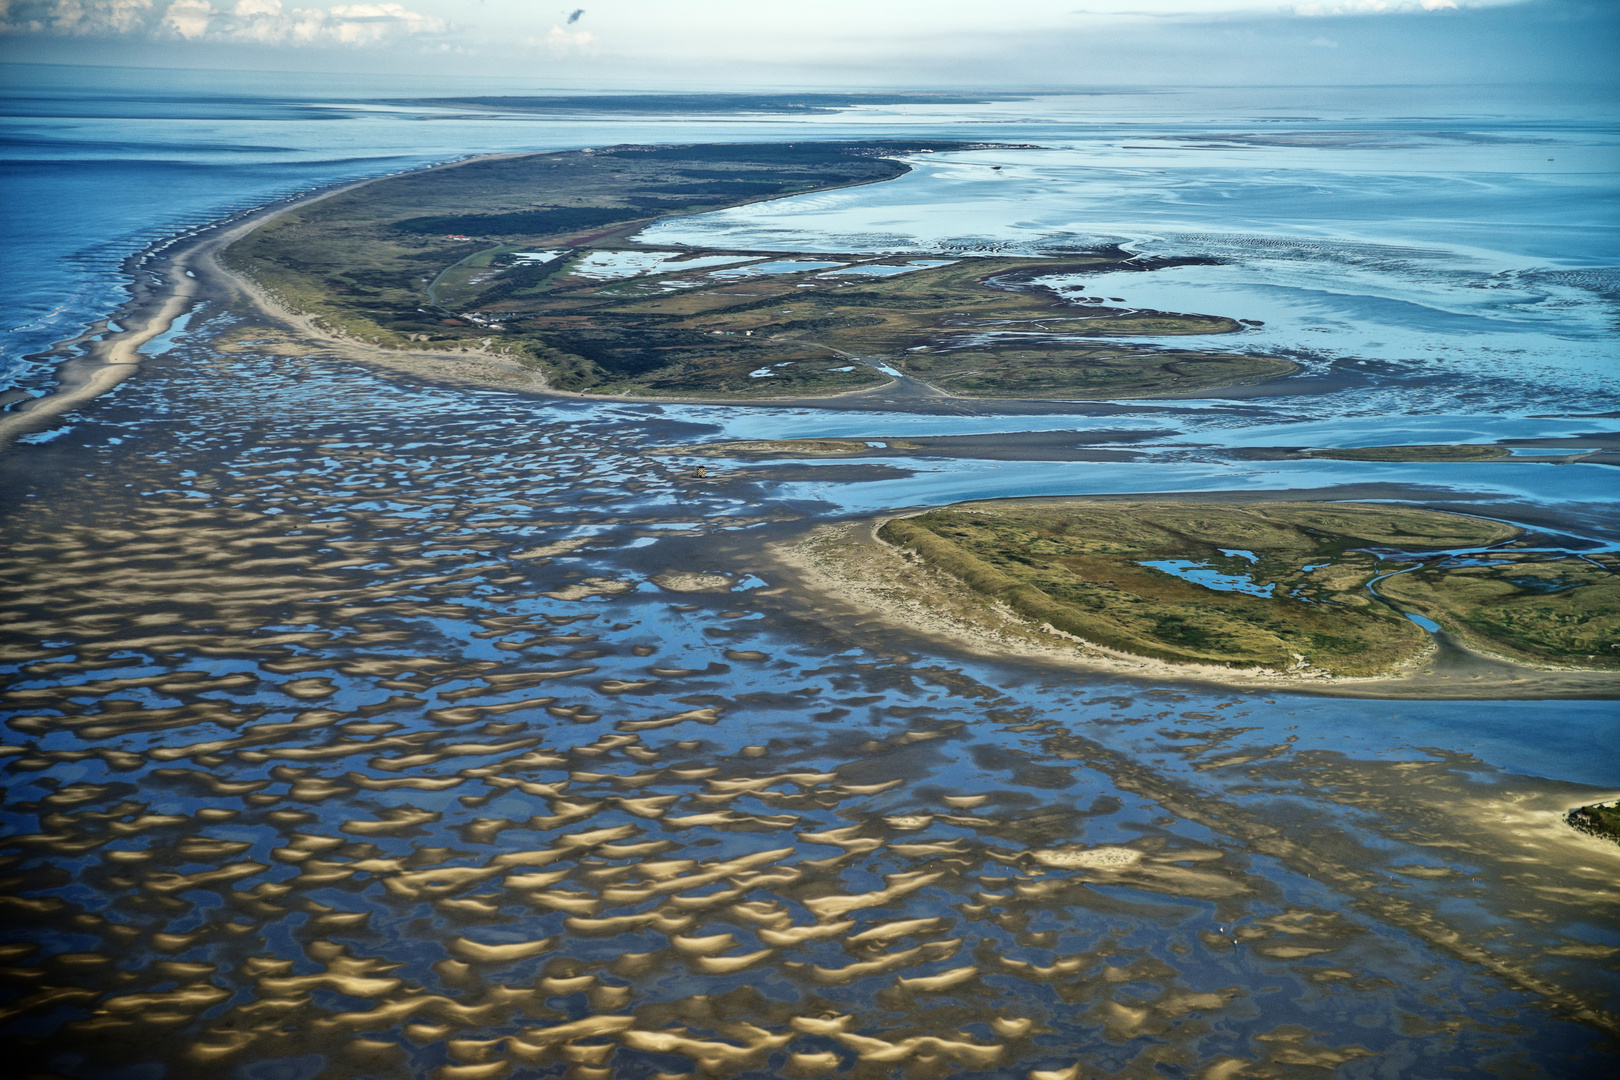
x=493 y=255
x=1436 y=453
x=1523 y=605
x=1282 y=586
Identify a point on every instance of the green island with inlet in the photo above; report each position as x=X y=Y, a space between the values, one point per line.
x=1286 y=586
x=529 y=258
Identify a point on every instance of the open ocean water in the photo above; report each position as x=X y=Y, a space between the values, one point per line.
x=347 y=732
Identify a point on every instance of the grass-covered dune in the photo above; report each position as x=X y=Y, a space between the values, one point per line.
x=507 y=255
x=1428 y=453
x=1071 y=370
x=1596 y=820
x=1272 y=585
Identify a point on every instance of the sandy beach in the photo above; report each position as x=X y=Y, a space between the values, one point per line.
x=173 y=277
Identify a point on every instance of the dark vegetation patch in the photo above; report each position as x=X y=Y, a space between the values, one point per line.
x=541 y=222
x=437 y=256
x=1087 y=569
x=1596 y=820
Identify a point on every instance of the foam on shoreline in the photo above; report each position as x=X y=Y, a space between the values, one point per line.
x=168 y=280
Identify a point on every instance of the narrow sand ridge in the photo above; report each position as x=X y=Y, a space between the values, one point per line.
x=187 y=271
x=114 y=358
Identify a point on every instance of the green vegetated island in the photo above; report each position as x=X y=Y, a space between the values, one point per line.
x=1426 y=452
x=1319 y=587
x=1598 y=819
x=529 y=257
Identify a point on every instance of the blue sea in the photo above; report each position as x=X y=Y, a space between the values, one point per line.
x=357 y=725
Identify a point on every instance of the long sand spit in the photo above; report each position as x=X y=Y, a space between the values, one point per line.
x=173 y=276
x=170 y=279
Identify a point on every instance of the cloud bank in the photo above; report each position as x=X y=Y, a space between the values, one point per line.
x=938 y=44
x=258 y=22
x=1378 y=7
x=271 y=22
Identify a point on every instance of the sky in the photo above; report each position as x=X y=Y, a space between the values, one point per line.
x=848 y=44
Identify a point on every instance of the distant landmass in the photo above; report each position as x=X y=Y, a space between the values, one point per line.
x=715 y=103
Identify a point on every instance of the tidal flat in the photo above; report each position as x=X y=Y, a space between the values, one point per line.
x=368 y=719
x=431 y=750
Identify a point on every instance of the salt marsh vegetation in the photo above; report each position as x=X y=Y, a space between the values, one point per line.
x=449 y=260
x=1287 y=587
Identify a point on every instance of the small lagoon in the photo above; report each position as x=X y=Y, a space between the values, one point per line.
x=1209 y=577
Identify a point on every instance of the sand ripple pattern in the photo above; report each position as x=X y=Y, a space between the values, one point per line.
x=349 y=731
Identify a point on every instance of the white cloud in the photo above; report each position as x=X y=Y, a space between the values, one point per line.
x=188 y=18
x=262 y=22
x=1217 y=8
x=560 y=42
x=1375 y=7
x=74 y=16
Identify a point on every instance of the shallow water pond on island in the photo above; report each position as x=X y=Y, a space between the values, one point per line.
x=1209 y=577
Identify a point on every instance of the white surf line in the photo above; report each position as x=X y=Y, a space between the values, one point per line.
x=119 y=353
x=120 y=357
